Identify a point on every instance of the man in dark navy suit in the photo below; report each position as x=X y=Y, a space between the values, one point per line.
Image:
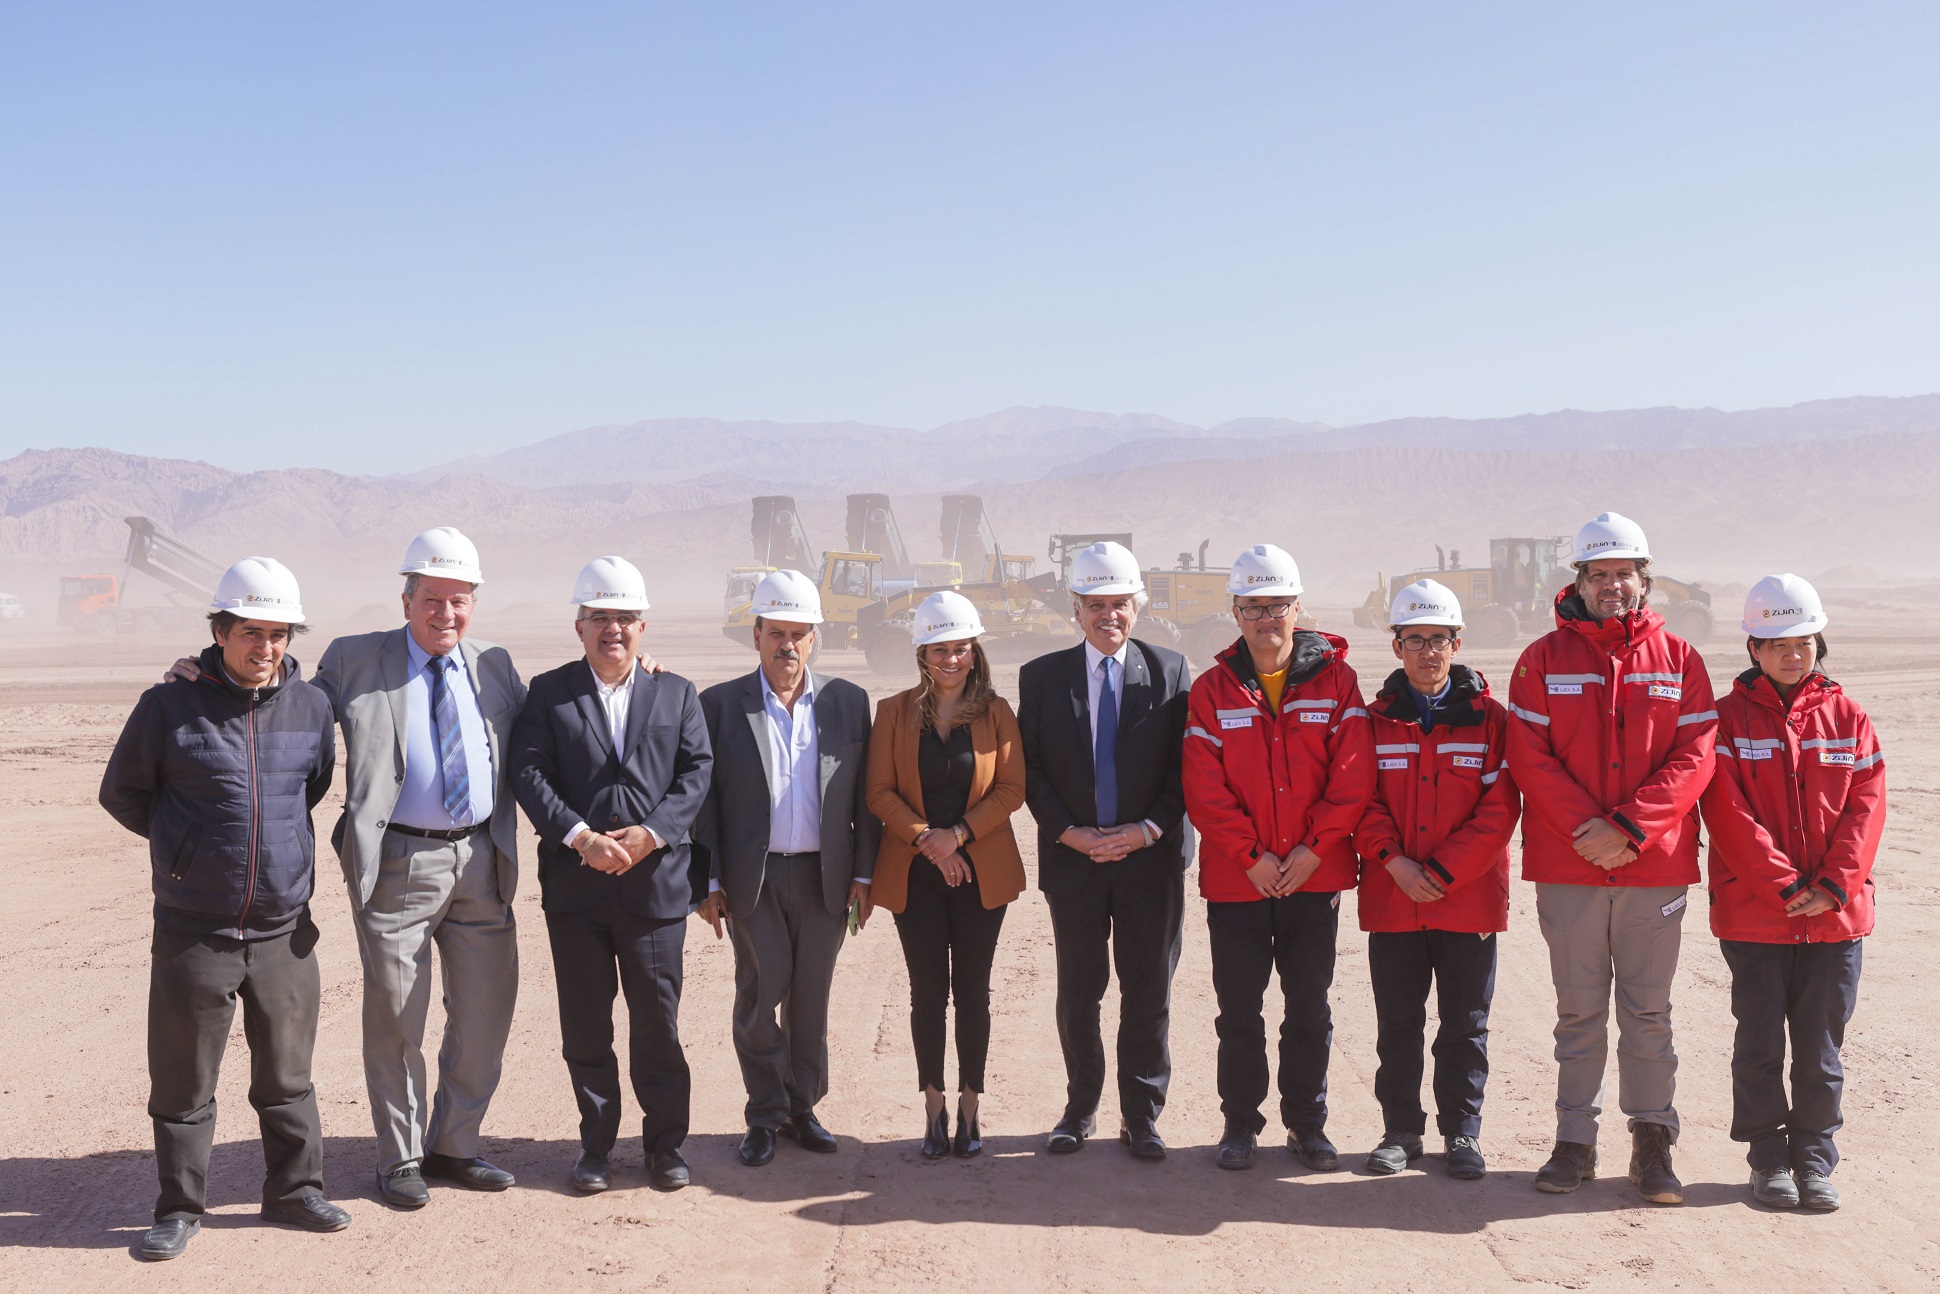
x=611 y=763
x=1102 y=726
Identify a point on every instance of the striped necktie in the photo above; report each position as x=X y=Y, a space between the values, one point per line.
x=451 y=742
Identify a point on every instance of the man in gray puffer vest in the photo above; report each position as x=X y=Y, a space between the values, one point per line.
x=220 y=776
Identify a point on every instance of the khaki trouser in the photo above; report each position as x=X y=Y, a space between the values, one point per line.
x=1605 y=937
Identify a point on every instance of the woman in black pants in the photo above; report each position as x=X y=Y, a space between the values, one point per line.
x=945 y=773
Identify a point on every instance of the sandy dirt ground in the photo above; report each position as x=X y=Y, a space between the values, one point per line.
x=77 y=1172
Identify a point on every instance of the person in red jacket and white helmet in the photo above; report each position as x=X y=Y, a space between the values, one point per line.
x=1434 y=847
x=1611 y=742
x=1278 y=768
x=1795 y=811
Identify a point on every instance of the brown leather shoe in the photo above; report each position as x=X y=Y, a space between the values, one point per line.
x=1650 y=1164
x=1570 y=1165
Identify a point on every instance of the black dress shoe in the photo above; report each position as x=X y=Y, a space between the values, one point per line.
x=968 y=1143
x=668 y=1171
x=807 y=1132
x=758 y=1147
x=1068 y=1137
x=473 y=1174
x=1236 y=1147
x=936 y=1134
x=1311 y=1147
x=311 y=1212
x=1142 y=1135
x=592 y=1174
x=168 y=1238
x=403 y=1188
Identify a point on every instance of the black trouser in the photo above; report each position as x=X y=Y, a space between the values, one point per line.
x=1808 y=991
x=596 y=955
x=1462 y=967
x=949 y=942
x=193 y=984
x=1129 y=914
x=1295 y=935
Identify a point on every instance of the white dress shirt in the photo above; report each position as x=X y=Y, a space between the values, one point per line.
x=794 y=772
x=1095 y=686
x=421 y=798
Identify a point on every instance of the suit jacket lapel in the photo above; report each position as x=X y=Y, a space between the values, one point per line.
x=394 y=672
x=1137 y=700
x=1081 y=711
x=754 y=700
x=825 y=718
x=586 y=695
x=645 y=687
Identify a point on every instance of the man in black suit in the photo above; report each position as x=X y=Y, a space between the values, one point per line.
x=790 y=847
x=611 y=764
x=1103 y=723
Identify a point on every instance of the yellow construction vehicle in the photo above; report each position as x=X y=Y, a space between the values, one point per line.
x=1514 y=594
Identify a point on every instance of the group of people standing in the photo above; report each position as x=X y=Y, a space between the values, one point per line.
x=776 y=808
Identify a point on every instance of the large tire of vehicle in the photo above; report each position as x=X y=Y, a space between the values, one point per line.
x=1690 y=621
x=1208 y=638
x=104 y=622
x=1492 y=626
x=889 y=652
x=1160 y=632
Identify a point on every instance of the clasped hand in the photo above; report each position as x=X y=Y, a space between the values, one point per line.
x=1276 y=877
x=1105 y=844
x=616 y=852
x=941 y=848
x=1600 y=843
x=1414 y=880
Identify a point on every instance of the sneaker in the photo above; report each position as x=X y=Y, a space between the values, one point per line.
x=1236 y=1147
x=1465 y=1162
x=1774 y=1188
x=1396 y=1151
x=1816 y=1191
x=1570 y=1165
x=1313 y=1149
x=1650 y=1164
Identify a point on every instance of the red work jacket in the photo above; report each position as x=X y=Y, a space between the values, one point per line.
x=1611 y=719
x=1799 y=798
x=1443 y=797
x=1259 y=783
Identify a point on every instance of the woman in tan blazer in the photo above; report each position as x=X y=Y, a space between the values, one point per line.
x=946 y=771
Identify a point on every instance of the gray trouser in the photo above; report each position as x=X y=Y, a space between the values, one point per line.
x=1605 y=937
x=194 y=983
x=784 y=960
x=442 y=892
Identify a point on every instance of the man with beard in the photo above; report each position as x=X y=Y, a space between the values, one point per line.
x=1612 y=744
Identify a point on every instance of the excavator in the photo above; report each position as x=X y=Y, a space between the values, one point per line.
x=1514 y=594
x=99 y=603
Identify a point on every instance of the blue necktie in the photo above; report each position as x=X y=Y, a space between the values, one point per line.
x=451 y=743
x=1104 y=757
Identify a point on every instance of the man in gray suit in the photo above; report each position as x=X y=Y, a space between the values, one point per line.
x=791 y=846
x=429 y=849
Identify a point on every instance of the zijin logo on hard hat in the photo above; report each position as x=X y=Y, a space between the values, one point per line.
x=1783 y=611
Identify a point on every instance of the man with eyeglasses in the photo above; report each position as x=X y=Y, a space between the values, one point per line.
x=1612 y=742
x=429 y=844
x=611 y=763
x=1434 y=848
x=1279 y=767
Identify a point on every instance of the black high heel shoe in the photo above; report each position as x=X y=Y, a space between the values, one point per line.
x=936 y=1134
x=969 y=1141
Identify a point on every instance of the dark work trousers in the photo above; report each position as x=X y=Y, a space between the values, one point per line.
x=1129 y=914
x=596 y=955
x=1807 y=991
x=949 y=942
x=1462 y=967
x=1294 y=935
x=194 y=982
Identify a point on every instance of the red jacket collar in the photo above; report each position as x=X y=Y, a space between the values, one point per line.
x=1813 y=691
x=1619 y=631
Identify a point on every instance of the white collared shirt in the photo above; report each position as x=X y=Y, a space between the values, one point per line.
x=1095 y=686
x=794 y=772
x=614 y=700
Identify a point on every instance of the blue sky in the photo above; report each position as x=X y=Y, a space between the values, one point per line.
x=377 y=236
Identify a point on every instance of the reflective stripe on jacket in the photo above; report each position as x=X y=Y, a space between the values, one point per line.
x=1611 y=719
x=1444 y=798
x=1799 y=798
x=1261 y=783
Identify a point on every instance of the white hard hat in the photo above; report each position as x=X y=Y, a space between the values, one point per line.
x=610 y=584
x=1784 y=606
x=445 y=553
x=788 y=595
x=259 y=588
x=1426 y=602
x=1611 y=535
x=1105 y=568
x=945 y=617
x=1264 y=571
